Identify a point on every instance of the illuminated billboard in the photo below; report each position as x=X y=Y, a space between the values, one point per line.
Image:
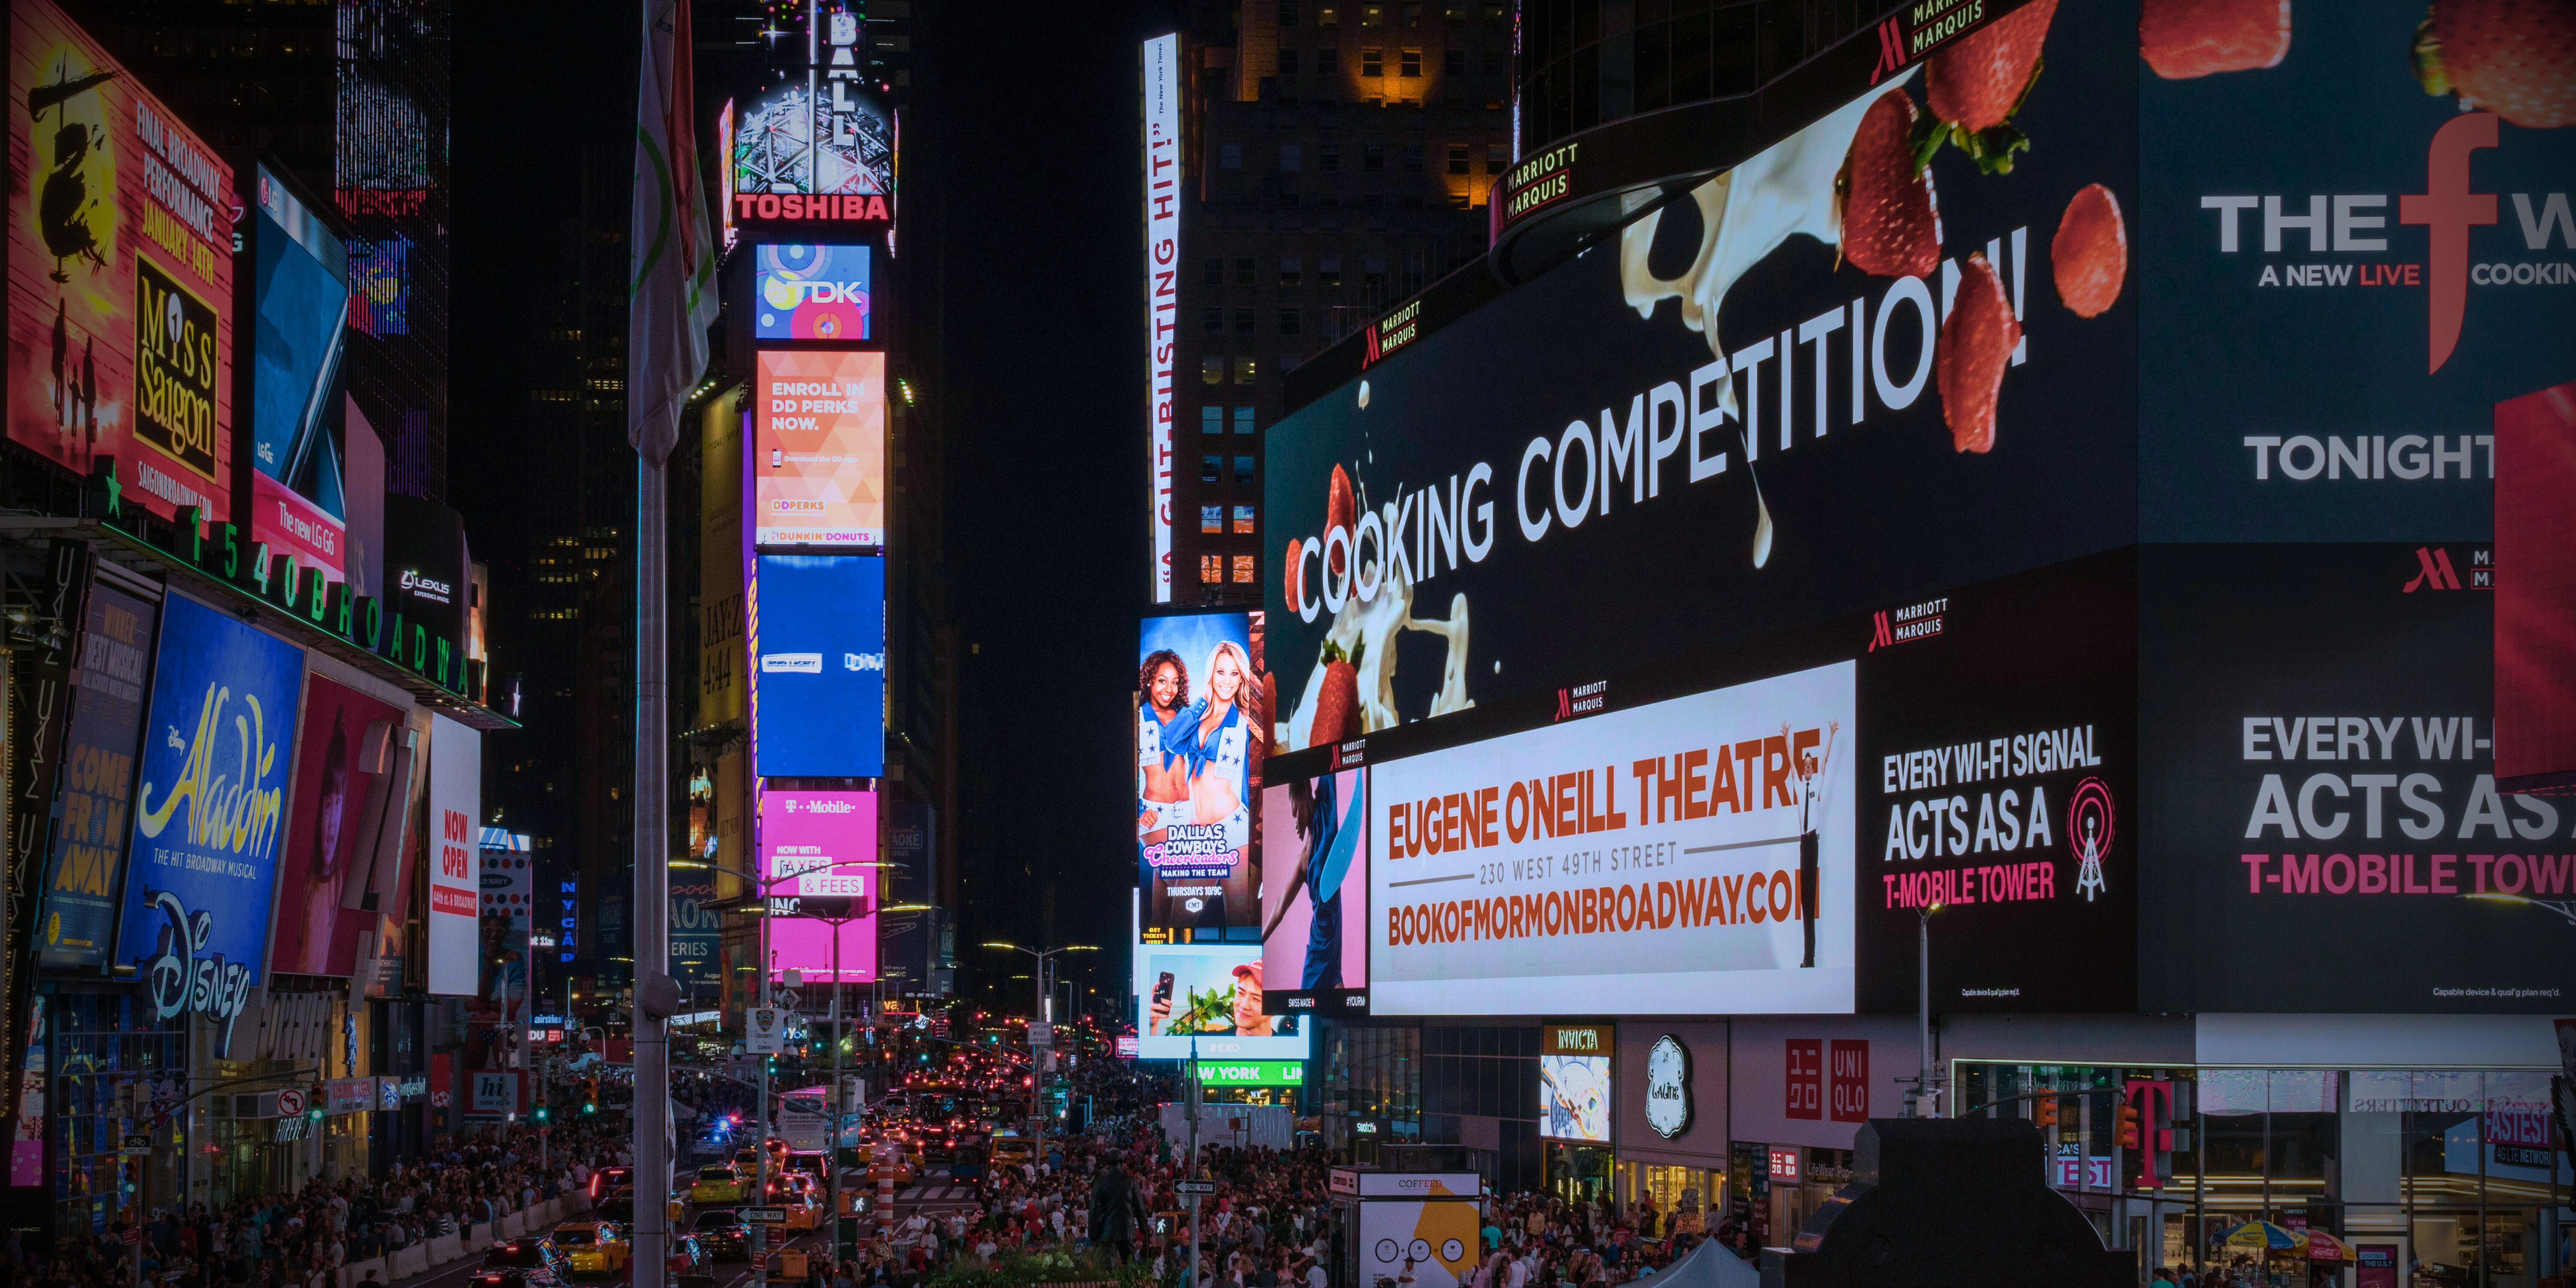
x=1636 y=862
x=455 y=811
x=1202 y=718
x=351 y=744
x=821 y=849
x=300 y=311
x=1575 y=1081
x=1210 y=995
x=120 y=274
x=1314 y=894
x=1163 y=191
x=818 y=666
x=809 y=292
x=819 y=449
x=822 y=146
x=85 y=880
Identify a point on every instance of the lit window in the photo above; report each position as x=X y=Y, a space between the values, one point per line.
x=1211 y=370
x=1245 y=570
x=1372 y=15
x=1243 y=520
x=1289 y=321
x=1292 y=157
x=1211 y=468
x=1292 y=272
x=1327 y=15
x=1372 y=61
x=1457 y=158
x=1244 y=370
x=1211 y=420
x=1410 y=63
x=1243 y=420
x=1212 y=570
x=1211 y=519
x=1493 y=15
x=1454 y=13
x=1229 y=156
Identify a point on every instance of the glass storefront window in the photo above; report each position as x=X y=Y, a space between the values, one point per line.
x=110 y=1064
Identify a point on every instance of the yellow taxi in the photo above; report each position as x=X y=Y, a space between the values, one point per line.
x=802 y=1201
x=717 y=1183
x=594 y=1247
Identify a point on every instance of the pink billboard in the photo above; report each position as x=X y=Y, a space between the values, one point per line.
x=817 y=846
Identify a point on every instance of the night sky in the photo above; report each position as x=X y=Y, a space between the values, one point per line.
x=1022 y=132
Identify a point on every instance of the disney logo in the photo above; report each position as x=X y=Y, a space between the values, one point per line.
x=177 y=981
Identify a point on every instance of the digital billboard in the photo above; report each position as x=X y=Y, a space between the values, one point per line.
x=507 y=883
x=85 y=873
x=2321 y=829
x=1426 y=1242
x=1997 y=764
x=120 y=274
x=818 y=647
x=1791 y=393
x=1202 y=714
x=350 y=744
x=818 y=449
x=1162 y=195
x=427 y=572
x=1662 y=859
x=2381 y=189
x=1575 y=1081
x=1210 y=995
x=300 y=313
x=455 y=829
x=1314 y=897
x=821 y=146
x=209 y=807
x=809 y=292
x=820 y=846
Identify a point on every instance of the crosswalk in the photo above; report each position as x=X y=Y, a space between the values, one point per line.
x=937 y=1195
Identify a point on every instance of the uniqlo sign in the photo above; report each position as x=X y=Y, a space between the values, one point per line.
x=1848 y=1091
x=1805 y=1080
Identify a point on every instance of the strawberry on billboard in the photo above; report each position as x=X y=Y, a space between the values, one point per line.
x=1817 y=383
x=2320 y=827
x=2328 y=190
x=120 y=273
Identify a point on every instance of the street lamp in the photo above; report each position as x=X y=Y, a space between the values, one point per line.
x=1927 y=1085
x=1046 y=1014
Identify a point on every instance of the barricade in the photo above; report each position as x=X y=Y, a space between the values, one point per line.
x=403 y=1263
x=444 y=1248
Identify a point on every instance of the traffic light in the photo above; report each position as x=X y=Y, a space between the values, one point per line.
x=2043 y=1114
x=2129 y=1135
x=541 y=1114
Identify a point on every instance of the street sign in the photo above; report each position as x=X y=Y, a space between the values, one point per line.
x=1041 y=1034
x=1195 y=1187
x=764 y=1216
x=764 y=1030
x=136 y=1146
x=290 y=1103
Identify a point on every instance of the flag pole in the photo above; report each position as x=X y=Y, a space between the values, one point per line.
x=651 y=1114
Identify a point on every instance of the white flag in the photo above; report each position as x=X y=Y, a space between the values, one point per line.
x=672 y=256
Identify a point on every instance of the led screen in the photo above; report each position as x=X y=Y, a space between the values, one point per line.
x=1314 y=896
x=817 y=845
x=301 y=309
x=809 y=293
x=818 y=450
x=87 y=870
x=1210 y=995
x=1574 y=1097
x=455 y=803
x=818 y=649
x=1202 y=711
x=348 y=744
x=1635 y=862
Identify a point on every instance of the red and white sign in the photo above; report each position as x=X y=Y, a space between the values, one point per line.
x=292 y=525
x=1784 y=1164
x=1847 y=1096
x=1635 y=862
x=290 y=1102
x=455 y=807
x=1162 y=286
x=1805 y=1078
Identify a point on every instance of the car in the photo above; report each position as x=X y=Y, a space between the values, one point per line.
x=803 y=1202
x=608 y=1180
x=1010 y=1149
x=717 y=1183
x=723 y=1235
x=594 y=1247
x=811 y=1162
x=689 y=1257
x=534 y=1258
x=966 y=1162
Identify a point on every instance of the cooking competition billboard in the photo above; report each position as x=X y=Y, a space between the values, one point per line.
x=1203 y=703
x=1805 y=388
x=2321 y=823
x=1314 y=894
x=120 y=274
x=818 y=448
x=2373 y=186
x=1661 y=859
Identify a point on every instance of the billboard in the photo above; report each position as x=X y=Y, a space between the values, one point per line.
x=299 y=313
x=1202 y=712
x=1826 y=412
x=455 y=826
x=1673 y=858
x=427 y=574
x=1314 y=898
x=120 y=274
x=818 y=701
x=819 y=449
x=809 y=292
x=1163 y=193
x=820 y=846
x=1998 y=778
x=85 y=873
x=1210 y=995
x=350 y=746
x=1430 y=1243
x=2321 y=826
x=1574 y=1081
x=2400 y=208
x=507 y=884
x=208 y=810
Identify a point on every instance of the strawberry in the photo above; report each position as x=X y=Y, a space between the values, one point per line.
x=1977 y=84
x=2515 y=58
x=1296 y=547
x=1976 y=344
x=2181 y=39
x=1341 y=510
x=1337 y=703
x=1891 y=225
x=2090 y=254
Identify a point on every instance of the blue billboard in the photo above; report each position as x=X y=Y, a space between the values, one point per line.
x=818 y=690
x=810 y=293
x=302 y=311
x=209 y=804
